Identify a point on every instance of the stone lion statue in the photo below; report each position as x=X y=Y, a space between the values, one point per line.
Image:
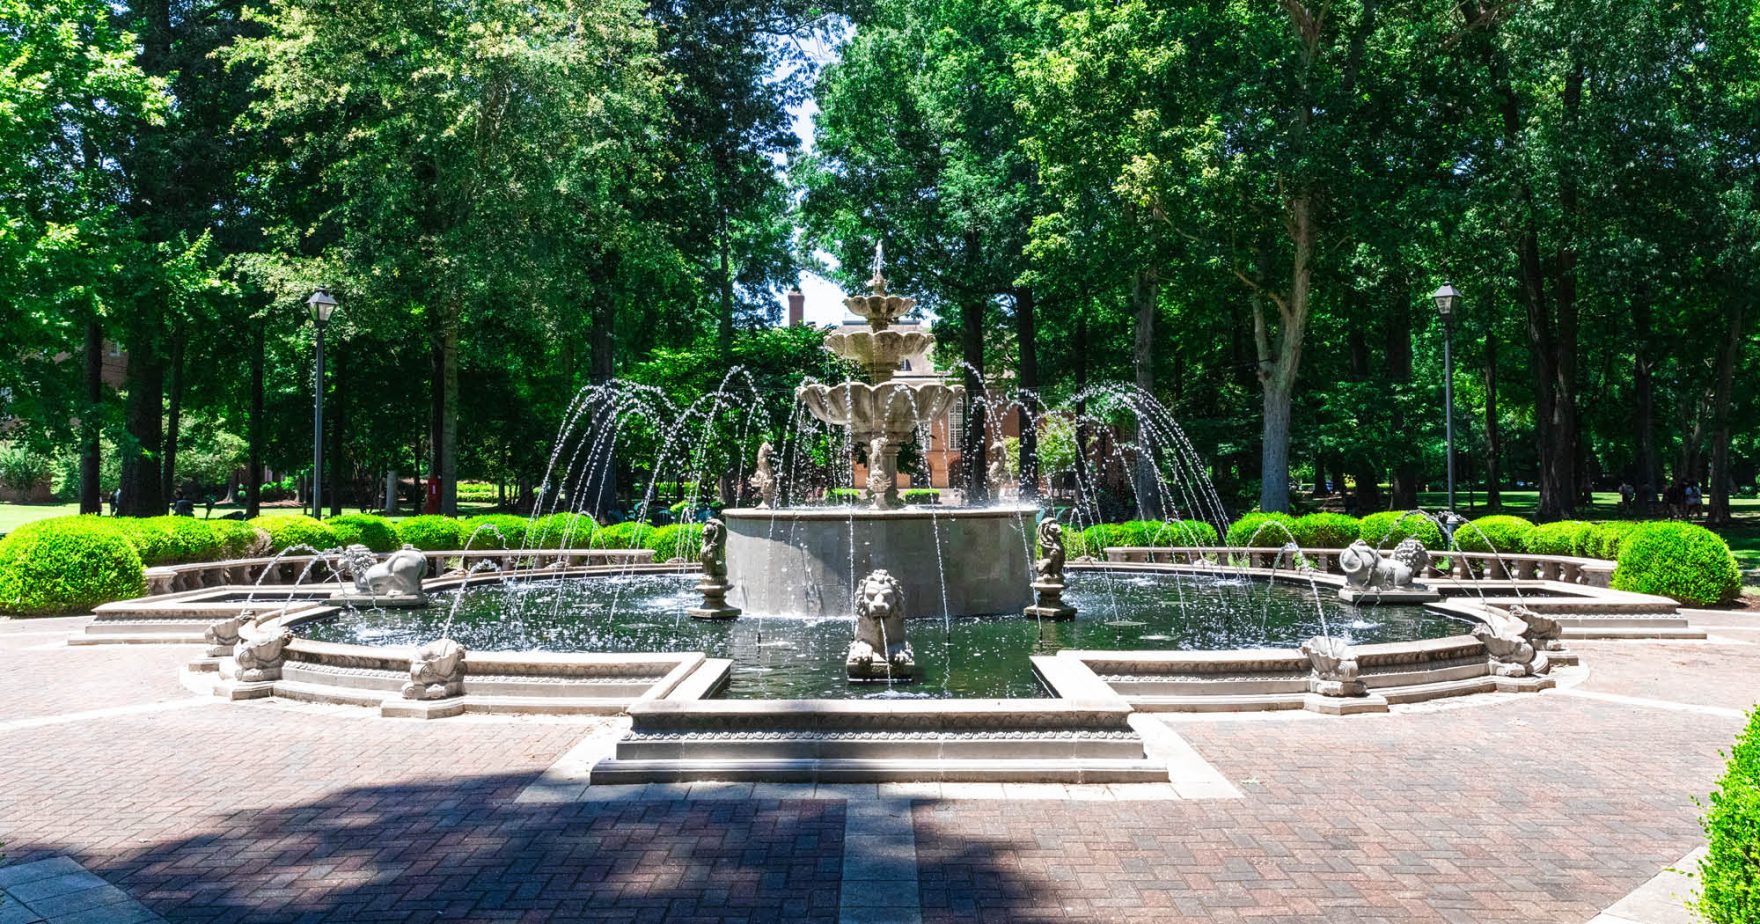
x=1335 y=671
x=880 y=650
x=1050 y=568
x=437 y=671
x=399 y=575
x=1365 y=568
x=713 y=554
x=260 y=659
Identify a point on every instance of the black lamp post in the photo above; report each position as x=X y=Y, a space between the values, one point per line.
x=1446 y=299
x=321 y=306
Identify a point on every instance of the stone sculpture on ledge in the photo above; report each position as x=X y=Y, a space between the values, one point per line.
x=1517 y=640
x=1335 y=670
x=713 y=585
x=436 y=672
x=258 y=660
x=1048 y=580
x=1369 y=578
x=222 y=637
x=880 y=653
x=763 y=479
x=395 y=582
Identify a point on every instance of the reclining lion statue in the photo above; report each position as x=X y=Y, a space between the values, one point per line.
x=880 y=651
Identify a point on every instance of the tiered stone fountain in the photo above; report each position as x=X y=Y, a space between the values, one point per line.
x=955 y=561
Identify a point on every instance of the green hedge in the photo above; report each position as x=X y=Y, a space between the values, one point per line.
x=1502 y=534
x=630 y=534
x=1565 y=537
x=562 y=530
x=674 y=540
x=376 y=533
x=171 y=540
x=1681 y=560
x=431 y=533
x=287 y=530
x=239 y=539
x=1389 y=528
x=1729 y=874
x=67 y=565
x=494 y=531
x=920 y=496
x=1327 y=530
x=1610 y=536
x=1260 y=530
x=1169 y=533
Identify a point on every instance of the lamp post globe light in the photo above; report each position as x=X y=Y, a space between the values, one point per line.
x=321 y=306
x=1447 y=298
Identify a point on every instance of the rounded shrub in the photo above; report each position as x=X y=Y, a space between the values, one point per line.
x=674 y=540
x=431 y=533
x=67 y=565
x=1681 y=560
x=1096 y=538
x=630 y=534
x=171 y=540
x=1326 y=530
x=1565 y=537
x=1389 y=528
x=376 y=533
x=1502 y=534
x=1168 y=533
x=1729 y=873
x=287 y=530
x=1609 y=536
x=239 y=539
x=561 y=531
x=495 y=531
x=1261 y=530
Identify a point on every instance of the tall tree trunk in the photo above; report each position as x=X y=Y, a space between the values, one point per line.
x=1146 y=480
x=1280 y=363
x=338 y=421
x=1028 y=380
x=602 y=478
x=724 y=330
x=1493 y=440
x=253 y=488
x=1406 y=472
x=141 y=487
x=173 y=416
x=1718 y=503
x=91 y=423
x=436 y=411
x=1644 y=391
x=446 y=454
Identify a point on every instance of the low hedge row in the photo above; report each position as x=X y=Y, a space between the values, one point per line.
x=1729 y=874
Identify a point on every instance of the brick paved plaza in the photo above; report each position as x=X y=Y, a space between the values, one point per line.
x=1545 y=807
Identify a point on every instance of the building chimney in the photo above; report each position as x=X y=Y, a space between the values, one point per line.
x=797 y=307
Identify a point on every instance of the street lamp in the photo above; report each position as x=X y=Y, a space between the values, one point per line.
x=1446 y=298
x=321 y=306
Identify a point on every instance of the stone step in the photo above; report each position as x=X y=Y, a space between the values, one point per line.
x=160 y=638
x=1645 y=631
x=854 y=744
x=877 y=770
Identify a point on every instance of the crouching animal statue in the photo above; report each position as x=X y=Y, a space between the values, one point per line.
x=1364 y=568
x=260 y=659
x=437 y=671
x=880 y=651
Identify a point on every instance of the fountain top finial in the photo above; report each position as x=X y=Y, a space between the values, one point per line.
x=877 y=282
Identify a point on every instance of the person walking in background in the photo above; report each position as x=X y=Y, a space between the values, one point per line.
x=1627 y=494
x=1695 y=497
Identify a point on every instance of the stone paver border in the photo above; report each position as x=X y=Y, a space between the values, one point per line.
x=61 y=891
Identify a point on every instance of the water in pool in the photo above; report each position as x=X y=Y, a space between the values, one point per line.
x=786 y=657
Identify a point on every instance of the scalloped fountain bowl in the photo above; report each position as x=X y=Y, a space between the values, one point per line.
x=896 y=408
x=879 y=351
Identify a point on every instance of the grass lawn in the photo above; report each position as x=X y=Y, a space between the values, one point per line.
x=12 y=516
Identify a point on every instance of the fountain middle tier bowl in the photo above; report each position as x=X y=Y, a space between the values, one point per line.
x=957 y=561
x=894 y=408
x=879 y=351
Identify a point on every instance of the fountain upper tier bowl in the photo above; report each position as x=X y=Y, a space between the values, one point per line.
x=958 y=561
x=878 y=352
x=896 y=409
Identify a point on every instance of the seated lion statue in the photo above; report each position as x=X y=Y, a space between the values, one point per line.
x=880 y=647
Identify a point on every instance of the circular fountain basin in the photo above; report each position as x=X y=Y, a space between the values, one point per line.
x=954 y=561
x=780 y=657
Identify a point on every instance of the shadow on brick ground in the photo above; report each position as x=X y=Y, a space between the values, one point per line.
x=467 y=852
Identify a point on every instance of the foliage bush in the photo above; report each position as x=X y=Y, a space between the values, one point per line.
x=1094 y=540
x=674 y=540
x=1326 y=530
x=1503 y=534
x=1610 y=535
x=239 y=539
x=172 y=540
x=1565 y=537
x=287 y=530
x=23 y=468
x=1729 y=873
x=431 y=533
x=920 y=496
x=376 y=533
x=478 y=492
x=494 y=531
x=561 y=530
x=1681 y=560
x=1168 y=533
x=1261 y=530
x=630 y=534
x=1389 y=528
x=67 y=565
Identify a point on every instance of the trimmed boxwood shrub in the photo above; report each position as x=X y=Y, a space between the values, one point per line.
x=1730 y=871
x=431 y=533
x=171 y=540
x=1681 y=560
x=561 y=530
x=1565 y=537
x=1326 y=530
x=920 y=496
x=1502 y=534
x=1168 y=533
x=67 y=565
x=1094 y=540
x=376 y=533
x=1389 y=528
x=494 y=531
x=1260 y=530
x=630 y=534
x=1610 y=535
x=238 y=539
x=674 y=540
x=287 y=530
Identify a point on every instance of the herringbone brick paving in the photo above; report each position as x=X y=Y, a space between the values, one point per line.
x=1544 y=808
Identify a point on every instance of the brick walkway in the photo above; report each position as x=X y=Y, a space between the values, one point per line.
x=1540 y=808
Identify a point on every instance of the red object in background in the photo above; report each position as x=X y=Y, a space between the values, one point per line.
x=433 y=502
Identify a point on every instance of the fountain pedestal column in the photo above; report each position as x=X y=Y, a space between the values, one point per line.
x=1050 y=604
x=714 y=585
